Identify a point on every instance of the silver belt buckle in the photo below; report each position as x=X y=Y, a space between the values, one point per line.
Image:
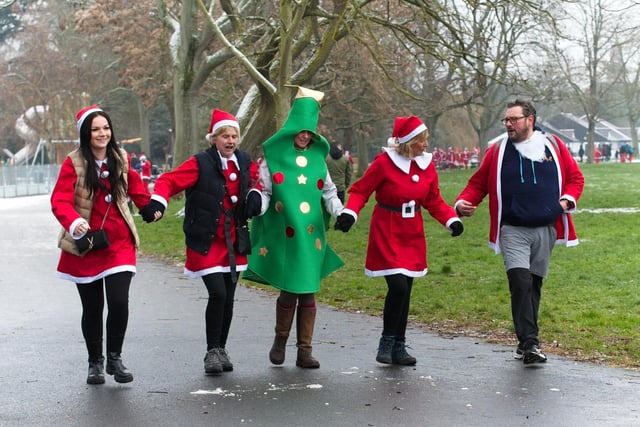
x=409 y=209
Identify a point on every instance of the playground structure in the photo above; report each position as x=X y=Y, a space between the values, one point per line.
x=28 y=127
x=48 y=134
x=22 y=176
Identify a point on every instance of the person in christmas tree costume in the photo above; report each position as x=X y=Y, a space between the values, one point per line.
x=289 y=248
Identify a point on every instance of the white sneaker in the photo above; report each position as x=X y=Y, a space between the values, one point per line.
x=518 y=353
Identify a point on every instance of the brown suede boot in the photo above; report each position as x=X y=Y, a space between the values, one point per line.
x=284 y=319
x=306 y=320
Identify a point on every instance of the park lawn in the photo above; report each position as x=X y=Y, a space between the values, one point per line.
x=590 y=308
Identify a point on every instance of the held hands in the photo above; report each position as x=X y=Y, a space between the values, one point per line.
x=344 y=221
x=149 y=212
x=254 y=204
x=456 y=228
x=464 y=208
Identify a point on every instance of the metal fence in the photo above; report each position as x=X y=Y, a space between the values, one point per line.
x=27 y=180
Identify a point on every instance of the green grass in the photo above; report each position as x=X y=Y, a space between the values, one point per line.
x=590 y=307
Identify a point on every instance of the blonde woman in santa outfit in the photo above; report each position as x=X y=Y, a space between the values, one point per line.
x=222 y=192
x=404 y=179
x=91 y=193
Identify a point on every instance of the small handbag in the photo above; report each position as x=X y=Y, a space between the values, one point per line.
x=94 y=240
x=243 y=240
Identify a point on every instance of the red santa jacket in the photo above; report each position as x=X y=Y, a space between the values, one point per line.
x=486 y=180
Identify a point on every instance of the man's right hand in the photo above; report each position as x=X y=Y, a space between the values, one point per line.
x=464 y=208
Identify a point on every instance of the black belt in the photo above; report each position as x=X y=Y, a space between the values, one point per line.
x=389 y=208
x=407 y=210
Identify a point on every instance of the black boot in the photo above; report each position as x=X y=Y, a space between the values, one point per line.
x=399 y=355
x=115 y=367
x=96 y=371
x=385 y=348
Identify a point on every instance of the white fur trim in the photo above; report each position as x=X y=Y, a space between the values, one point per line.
x=379 y=273
x=533 y=148
x=222 y=123
x=413 y=134
x=84 y=116
x=404 y=164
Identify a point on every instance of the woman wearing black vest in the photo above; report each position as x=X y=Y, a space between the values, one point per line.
x=222 y=192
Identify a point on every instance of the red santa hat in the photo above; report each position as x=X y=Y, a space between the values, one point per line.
x=142 y=157
x=82 y=114
x=220 y=119
x=407 y=128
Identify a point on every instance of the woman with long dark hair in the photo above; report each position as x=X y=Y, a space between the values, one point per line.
x=90 y=195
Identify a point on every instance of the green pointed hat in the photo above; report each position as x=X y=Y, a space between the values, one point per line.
x=303 y=116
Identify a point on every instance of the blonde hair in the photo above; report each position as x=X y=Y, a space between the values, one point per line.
x=406 y=149
x=222 y=129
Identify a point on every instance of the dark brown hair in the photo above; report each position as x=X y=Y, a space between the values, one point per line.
x=527 y=108
x=115 y=161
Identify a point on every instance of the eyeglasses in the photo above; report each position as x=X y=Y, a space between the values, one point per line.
x=511 y=120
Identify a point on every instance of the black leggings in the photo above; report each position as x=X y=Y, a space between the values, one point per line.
x=116 y=287
x=396 y=306
x=219 y=310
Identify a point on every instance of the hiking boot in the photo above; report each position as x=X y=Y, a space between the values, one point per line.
x=115 y=367
x=399 y=355
x=533 y=355
x=96 y=371
x=212 y=362
x=225 y=360
x=385 y=348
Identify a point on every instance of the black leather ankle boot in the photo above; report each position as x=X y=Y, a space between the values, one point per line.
x=96 y=371
x=115 y=367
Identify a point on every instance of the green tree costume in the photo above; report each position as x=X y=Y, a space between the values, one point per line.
x=289 y=248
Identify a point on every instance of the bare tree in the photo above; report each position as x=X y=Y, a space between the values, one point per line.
x=497 y=40
x=372 y=58
x=140 y=58
x=42 y=70
x=588 y=34
x=628 y=62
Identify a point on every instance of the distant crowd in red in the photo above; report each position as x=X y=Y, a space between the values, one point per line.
x=455 y=158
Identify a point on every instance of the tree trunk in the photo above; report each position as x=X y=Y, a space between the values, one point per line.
x=363 y=157
x=143 y=115
x=186 y=143
x=591 y=130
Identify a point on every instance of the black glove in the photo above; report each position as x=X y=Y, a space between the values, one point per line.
x=456 y=228
x=254 y=204
x=344 y=221
x=148 y=212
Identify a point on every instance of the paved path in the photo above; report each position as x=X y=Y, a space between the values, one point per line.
x=457 y=382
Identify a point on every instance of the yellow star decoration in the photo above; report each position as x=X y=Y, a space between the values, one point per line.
x=262 y=251
x=302 y=180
